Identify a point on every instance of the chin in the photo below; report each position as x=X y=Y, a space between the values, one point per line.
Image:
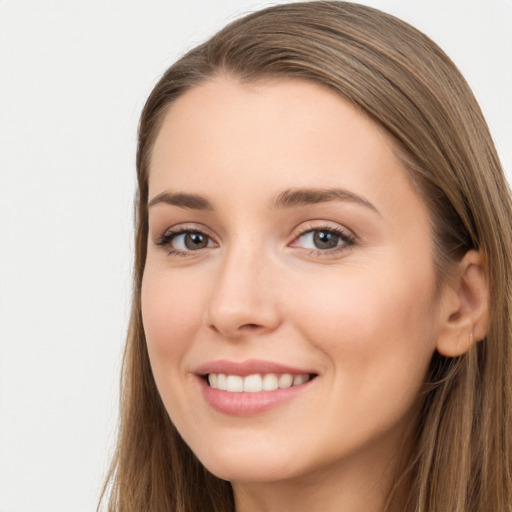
x=249 y=465
x=249 y=471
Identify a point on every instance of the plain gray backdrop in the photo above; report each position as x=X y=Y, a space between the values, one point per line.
x=73 y=78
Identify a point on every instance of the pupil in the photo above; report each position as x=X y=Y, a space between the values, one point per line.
x=194 y=241
x=325 y=240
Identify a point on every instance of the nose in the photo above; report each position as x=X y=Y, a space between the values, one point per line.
x=243 y=298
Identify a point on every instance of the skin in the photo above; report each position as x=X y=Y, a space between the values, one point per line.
x=365 y=318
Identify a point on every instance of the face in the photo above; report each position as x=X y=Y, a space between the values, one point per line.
x=288 y=297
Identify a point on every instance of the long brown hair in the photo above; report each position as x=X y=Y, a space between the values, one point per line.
x=461 y=459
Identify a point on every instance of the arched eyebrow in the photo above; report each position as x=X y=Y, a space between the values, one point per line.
x=191 y=201
x=291 y=198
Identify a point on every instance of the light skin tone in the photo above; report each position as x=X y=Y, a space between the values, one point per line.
x=337 y=280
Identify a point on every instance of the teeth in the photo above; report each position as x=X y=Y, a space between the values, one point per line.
x=285 y=381
x=255 y=383
x=300 y=379
x=270 y=382
x=221 y=382
x=234 y=383
x=213 y=379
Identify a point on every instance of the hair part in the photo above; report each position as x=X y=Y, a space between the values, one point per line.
x=461 y=457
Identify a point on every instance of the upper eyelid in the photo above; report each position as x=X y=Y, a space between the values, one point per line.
x=322 y=225
x=300 y=230
x=297 y=231
x=188 y=228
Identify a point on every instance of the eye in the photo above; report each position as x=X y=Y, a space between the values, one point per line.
x=320 y=240
x=324 y=240
x=183 y=241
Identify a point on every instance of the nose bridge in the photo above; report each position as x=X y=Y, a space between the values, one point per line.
x=243 y=299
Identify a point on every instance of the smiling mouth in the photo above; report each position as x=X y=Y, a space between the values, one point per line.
x=256 y=382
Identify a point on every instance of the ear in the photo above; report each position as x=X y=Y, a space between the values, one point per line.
x=464 y=307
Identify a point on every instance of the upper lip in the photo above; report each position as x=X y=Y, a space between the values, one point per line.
x=248 y=367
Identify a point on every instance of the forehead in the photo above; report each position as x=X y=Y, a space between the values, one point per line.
x=273 y=134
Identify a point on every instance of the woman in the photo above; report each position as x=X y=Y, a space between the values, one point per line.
x=321 y=313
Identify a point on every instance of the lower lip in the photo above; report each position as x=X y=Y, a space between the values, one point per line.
x=248 y=404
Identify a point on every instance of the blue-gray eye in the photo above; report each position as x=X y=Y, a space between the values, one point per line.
x=320 y=239
x=325 y=239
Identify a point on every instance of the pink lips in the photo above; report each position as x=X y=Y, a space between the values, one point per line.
x=248 y=367
x=244 y=403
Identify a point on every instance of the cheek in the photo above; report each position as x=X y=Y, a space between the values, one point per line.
x=372 y=322
x=377 y=337
x=171 y=312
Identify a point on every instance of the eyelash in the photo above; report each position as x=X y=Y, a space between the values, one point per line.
x=347 y=240
x=165 y=240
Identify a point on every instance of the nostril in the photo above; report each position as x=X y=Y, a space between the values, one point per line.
x=249 y=327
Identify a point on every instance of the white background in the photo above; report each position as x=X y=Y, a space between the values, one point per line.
x=73 y=78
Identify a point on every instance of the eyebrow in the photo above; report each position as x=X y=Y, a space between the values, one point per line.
x=291 y=198
x=191 y=201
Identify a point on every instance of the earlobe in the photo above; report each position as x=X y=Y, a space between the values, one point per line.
x=465 y=307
